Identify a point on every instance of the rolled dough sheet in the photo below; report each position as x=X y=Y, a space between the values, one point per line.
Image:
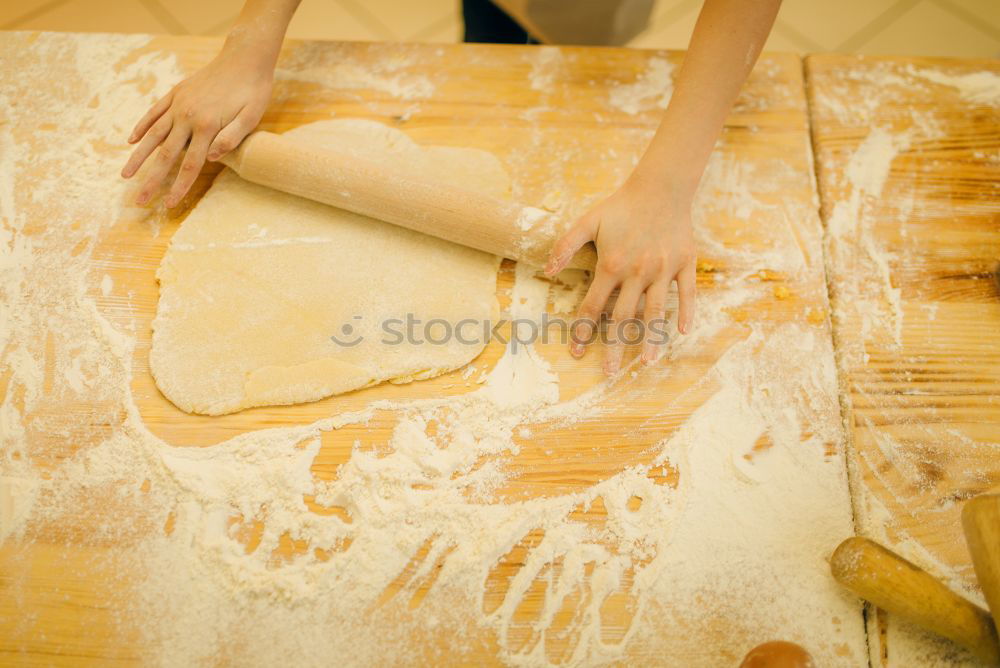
x=255 y=283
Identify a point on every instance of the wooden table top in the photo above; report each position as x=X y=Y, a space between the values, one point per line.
x=914 y=286
x=107 y=580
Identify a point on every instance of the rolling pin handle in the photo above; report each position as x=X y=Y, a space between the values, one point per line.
x=981 y=523
x=902 y=588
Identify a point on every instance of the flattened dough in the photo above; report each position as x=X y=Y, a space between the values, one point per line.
x=255 y=282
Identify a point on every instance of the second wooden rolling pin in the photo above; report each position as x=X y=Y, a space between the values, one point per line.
x=401 y=196
x=881 y=576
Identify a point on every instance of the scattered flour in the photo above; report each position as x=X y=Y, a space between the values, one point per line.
x=906 y=460
x=545 y=68
x=522 y=377
x=850 y=227
x=107 y=284
x=977 y=87
x=348 y=76
x=538 y=228
x=329 y=67
x=651 y=90
x=530 y=217
x=402 y=541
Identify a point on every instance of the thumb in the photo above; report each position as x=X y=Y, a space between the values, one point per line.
x=579 y=233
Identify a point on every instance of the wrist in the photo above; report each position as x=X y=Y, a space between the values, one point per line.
x=659 y=183
x=249 y=60
x=253 y=45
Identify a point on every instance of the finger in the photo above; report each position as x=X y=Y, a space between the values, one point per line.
x=234 y=132
x=653 y=315
x=590 y=311
x=582 y=231
x=628 y=299
x=194 y=158
x=686 y=292
x=169 y=151
x=153 y=138
x=151 y=117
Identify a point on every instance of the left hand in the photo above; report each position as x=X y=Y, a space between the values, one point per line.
x=202 y=118
x=644 y=242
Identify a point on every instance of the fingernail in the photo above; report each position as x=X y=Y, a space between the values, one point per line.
x=576 y=350
x=683 y=328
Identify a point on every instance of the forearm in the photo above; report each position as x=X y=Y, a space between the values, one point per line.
x=725 y=44
x=259 y=30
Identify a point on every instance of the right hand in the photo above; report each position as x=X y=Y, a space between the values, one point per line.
x=209 y=113
x=645 y=242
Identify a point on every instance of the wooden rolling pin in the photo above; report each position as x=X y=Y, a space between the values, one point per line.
x=401 y=196
x=981 y=522
x=894 y=584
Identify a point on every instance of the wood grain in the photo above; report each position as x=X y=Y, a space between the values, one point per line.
x=565 y=139
x=924 y=410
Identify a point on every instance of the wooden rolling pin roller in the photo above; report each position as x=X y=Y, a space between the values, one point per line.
x=881 y=576
x=401 y=196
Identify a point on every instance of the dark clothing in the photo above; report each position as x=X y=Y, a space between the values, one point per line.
x=487 y=23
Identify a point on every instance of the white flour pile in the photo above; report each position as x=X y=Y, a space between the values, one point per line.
x=718 y=533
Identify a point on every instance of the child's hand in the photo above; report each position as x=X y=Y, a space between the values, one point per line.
x=210 y=113
x=644 y=242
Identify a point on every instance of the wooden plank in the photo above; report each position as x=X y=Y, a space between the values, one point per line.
x=908 y=166
x=553 y=119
